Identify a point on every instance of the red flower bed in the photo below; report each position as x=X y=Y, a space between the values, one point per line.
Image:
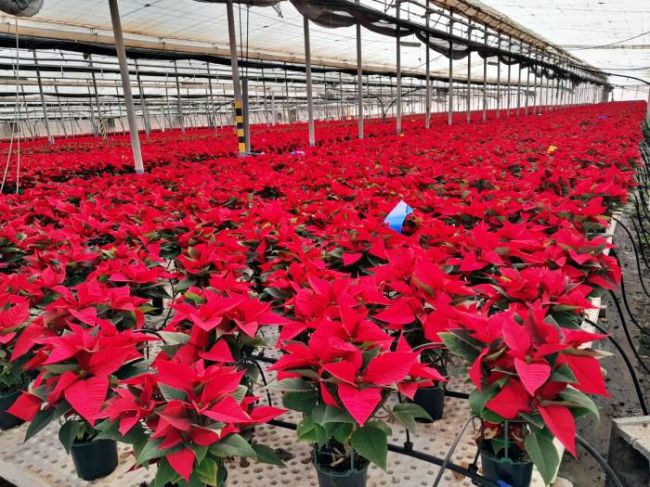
x=508 y=217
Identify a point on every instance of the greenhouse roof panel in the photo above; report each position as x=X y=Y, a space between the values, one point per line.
x=613 y=35
x=178 y=25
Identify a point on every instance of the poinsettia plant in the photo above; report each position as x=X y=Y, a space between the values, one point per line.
x=14 y=316
x=75 y=371
x=187 y=419
x=342 y=378
x=532 y=379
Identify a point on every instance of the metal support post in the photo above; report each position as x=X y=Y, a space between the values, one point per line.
x=126 y=85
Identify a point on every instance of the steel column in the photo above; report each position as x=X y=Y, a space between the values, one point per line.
x=126 y=85
x=179 y=101
x=234 y=63
x=427 y=105
x=359 y=84
x=50 y=139
x=310 y=92
x=246 y=114
x=398 y=73
x=450 y=114
x=485 y=42
x=469 y=77
x=498 y=103
x=143 y=103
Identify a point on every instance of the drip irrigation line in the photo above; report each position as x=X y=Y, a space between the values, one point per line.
x=639 y=217
x=638 y=232
x=627 y=333
x=479 y=479
x=601 y=461
x=636 y=256
x=641 y=328
x=628 y=363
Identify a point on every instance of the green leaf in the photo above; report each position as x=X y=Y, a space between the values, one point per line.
x=459 y=347
x=292 y=385
x=267 y=455
x=324 y=414
x=68 y=433
x=535 y=420
x=303 y=402
x=58 y=369
x=407 y=413
x=165 y=474
x=579 y=400
x=233 y=446
x=207 y=471
x=563 y=374
x=306 y=431
x=134 y=369
x=150 y=451
x=341 y=432
x=478 y=399
x=371 y=443
x=169 y=393
x=200 y=452
x=540 y=448
x=110 y=431
x=42 y=420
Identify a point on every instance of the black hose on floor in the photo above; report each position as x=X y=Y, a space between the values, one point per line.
x=601 y=461
x=628 y=363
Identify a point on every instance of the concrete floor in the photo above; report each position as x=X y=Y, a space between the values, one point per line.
x=584 y=471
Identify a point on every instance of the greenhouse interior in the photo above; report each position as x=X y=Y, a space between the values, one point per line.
x=324 y=243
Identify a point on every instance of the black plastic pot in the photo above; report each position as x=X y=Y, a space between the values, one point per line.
x=94 y=459
x=432 y=400
x=158 y=304
x=8 y=421
x=516 y=474
x=332 y=478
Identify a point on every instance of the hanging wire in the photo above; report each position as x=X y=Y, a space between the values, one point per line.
x=628 y=363
x=636 y=255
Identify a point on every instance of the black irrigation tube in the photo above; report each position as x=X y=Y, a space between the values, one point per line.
x=628 y=363
x=406 y=449
x=601 y=461
x=636 y=255
x=641 y=328
x=472 y=471
x=418 y=455
x=627 y=331
x=638 y=215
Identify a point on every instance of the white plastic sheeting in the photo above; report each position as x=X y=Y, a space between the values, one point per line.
x=613 y=35
x=186 y=24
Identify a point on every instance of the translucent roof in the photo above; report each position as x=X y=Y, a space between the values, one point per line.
x=621 y=27
x=263 y=32
x=610 y=34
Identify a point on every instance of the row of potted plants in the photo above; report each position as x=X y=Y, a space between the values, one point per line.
x=134 y=307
